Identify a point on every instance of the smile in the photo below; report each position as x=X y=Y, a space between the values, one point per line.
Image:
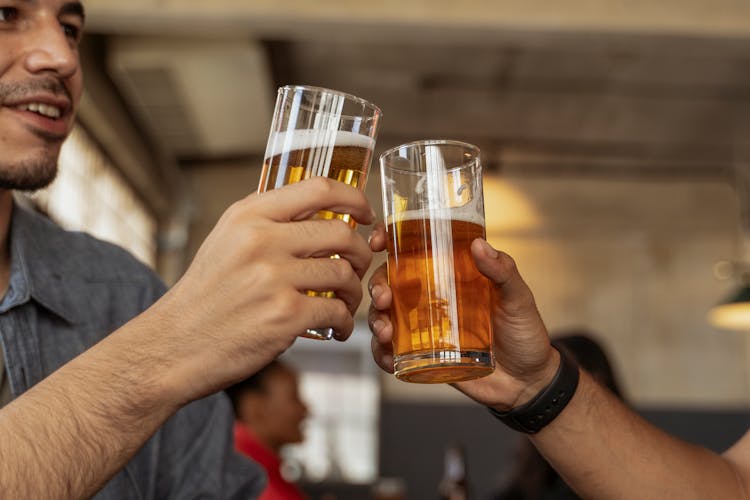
x=45 y=110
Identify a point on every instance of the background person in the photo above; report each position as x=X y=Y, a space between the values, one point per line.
x=268 y=415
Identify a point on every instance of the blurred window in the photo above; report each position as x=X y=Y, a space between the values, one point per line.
x=91 y=195
x=340 y=386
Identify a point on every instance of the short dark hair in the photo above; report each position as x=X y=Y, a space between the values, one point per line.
x=255 y=383
x=591 y=355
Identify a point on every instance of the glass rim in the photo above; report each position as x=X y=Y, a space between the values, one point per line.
x=351 y=97
x=474 y=149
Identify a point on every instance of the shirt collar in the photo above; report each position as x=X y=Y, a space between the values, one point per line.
x=247 y=442
x=38 y=268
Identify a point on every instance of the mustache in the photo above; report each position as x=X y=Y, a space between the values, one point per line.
x=14 y=91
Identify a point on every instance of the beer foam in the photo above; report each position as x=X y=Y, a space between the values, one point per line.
x=291 y=140
x=463 y=214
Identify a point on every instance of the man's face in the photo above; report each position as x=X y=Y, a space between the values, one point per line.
x=40 y=87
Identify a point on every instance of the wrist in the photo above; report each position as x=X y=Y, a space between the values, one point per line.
x=536 y=413
x=534 y=384
x=144 y=361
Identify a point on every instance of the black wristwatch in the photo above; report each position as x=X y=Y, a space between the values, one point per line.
x=543 y=408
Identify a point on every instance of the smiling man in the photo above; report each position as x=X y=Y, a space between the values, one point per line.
x=40 y=86
x=108 y=383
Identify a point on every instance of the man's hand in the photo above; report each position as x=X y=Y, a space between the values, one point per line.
x=525 y=361
x=242 y=301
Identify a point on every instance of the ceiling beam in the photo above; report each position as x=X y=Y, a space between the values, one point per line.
x=472 y=18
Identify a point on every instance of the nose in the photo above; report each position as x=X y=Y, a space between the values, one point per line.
x=51 y=51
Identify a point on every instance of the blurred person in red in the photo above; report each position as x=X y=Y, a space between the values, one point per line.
x=269 y=414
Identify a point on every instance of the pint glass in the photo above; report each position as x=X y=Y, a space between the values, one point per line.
x=319 y=132
x=434 y=208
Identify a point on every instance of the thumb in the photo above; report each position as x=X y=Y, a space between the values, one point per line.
x=501 y=270
x=521 y=340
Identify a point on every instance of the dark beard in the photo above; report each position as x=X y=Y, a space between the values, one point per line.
x=18 y=90
x=37 y=171
x=30 y=174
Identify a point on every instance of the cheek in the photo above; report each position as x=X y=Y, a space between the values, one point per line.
x=11 y=57
x=76 y=87
x=6 y=63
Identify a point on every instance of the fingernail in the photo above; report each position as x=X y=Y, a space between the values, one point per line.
x=376 y=291
x=369 y=238
x=489 y=251
x=378 y=325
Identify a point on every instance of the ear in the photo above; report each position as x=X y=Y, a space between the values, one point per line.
x=253 y=408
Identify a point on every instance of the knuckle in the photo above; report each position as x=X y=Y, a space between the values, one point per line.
x=264 y=271
x=343 y=317
x=354 y=297
x=368 y=256
x=321 y=185
x=341 y=310
x=508 y=264
x=520 y=305
x=341 y=231
x=343 y=271
x=286 y=303
x=303 y=230
x=233 y=213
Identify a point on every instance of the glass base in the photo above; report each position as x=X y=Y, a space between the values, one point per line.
x=439 y=367
x=318 y=333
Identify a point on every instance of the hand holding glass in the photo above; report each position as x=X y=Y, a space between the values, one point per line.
x=319 y=132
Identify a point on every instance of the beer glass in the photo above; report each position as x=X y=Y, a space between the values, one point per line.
x=319 y=132
x=434 y=208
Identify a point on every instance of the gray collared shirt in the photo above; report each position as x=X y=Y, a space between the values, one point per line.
x=68 y=290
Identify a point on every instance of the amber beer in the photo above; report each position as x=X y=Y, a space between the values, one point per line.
x=440 y=300
x=344 y=157
x=302 y=154
x=433 y=205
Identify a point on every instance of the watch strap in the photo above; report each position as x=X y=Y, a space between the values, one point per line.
x=533 y=416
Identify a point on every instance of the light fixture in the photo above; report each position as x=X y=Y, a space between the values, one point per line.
x=733 y=313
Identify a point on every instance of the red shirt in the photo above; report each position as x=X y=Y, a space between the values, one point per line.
x=278 y=488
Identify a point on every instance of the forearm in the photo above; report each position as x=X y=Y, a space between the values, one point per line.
x=604 y=450
x=238 y=306
x=68 y=435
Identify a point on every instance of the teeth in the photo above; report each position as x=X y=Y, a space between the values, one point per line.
x=42 y=109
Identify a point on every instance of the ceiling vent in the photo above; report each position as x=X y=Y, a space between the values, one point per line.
x=197 y=98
